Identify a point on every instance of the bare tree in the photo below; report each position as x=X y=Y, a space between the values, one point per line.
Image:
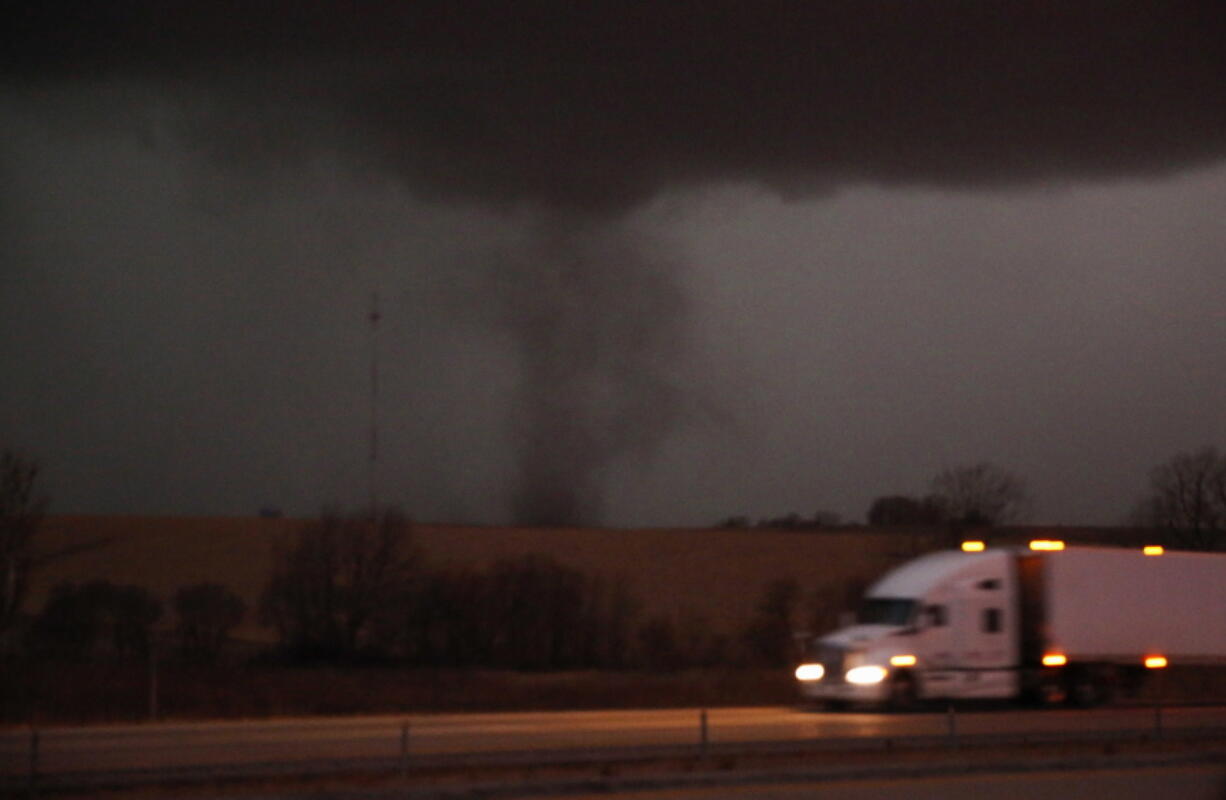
x=21 y=513
x=538 y=616
x=768 y=636
x=206 y=612
x=330 y=588
x=96 y=619
x=981 y=494
x=1187 y=500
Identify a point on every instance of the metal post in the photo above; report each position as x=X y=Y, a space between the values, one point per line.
x=703 y=733
x=951 y=719
x=404 y=749
x=32 y=789
x=153 y=680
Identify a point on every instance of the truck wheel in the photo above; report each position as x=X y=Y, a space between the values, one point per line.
x=1090 y=687
x=1050 y=689
x=904 y=694
x=1052 y=694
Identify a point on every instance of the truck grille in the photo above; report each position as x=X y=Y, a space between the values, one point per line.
x=832 y=658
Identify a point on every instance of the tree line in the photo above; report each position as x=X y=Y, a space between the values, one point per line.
x=1184 y=503
x=99 y=619
x=350 y=588
x=982 y=494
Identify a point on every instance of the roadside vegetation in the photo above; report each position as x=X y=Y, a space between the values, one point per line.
x=362 y=623
x=118 y=691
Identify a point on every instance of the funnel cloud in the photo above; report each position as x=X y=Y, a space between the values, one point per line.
x=558 y=169
x=596 y=324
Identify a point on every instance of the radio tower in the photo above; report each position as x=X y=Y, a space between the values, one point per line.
x=374 y=407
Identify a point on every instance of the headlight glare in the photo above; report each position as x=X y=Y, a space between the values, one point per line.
x=810 y=672
x=868 y=674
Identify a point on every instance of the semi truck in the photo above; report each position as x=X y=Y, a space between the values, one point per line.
x=1047 y=622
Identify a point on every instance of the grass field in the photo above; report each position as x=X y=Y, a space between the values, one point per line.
x=114 y=692
x=716 y=576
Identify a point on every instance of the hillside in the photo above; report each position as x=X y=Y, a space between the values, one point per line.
x=714 y=575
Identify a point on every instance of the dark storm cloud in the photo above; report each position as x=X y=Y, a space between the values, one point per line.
x=572 y=114
x=599 y=105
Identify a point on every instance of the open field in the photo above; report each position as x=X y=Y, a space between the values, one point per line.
x=713 y=576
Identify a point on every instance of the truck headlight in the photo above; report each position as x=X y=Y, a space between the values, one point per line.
x=868 y=674
x=810 y=672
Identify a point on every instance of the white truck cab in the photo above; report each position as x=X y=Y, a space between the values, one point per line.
x=1044 y=622
x=942 y=625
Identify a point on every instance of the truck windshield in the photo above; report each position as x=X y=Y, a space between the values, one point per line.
x=886 y=611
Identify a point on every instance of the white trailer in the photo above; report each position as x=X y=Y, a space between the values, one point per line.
x=1049 y=623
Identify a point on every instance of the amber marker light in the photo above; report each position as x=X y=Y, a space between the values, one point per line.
x=973 y=547
x=1153 y=550
x=1055 y=660
x=903 y=661
x=1050 y=545
x=1155 y=662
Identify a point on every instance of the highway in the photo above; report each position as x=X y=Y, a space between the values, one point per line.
x=1184 y=783
x=179 y=745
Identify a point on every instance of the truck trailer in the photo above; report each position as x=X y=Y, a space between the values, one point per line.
x=1045 y=623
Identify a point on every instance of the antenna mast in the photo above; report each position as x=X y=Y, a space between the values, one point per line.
x=374 y=406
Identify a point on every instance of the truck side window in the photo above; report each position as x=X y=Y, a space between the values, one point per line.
x=991 y=620
x=934 y=616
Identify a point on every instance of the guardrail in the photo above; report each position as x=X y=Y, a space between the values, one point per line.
x=701 y=750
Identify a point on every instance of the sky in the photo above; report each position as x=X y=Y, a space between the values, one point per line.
x=637 y=264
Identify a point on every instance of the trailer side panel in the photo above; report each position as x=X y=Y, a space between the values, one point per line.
x=1120 y=605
